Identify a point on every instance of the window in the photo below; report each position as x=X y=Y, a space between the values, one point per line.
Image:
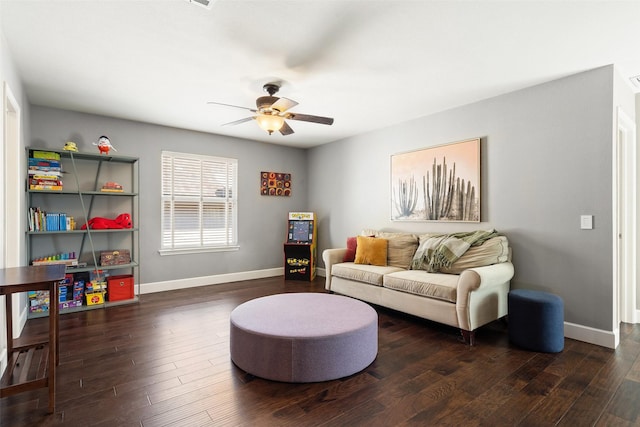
x=199 y=203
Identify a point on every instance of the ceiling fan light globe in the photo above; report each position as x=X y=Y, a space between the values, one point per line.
x=270 y=122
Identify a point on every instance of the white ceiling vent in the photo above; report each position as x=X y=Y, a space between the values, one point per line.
x=204 y=3
x=635 y=80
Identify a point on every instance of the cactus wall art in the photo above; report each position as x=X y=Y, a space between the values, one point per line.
x=440 y=183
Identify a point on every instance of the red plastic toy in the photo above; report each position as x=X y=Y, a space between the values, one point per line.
x=98 y=223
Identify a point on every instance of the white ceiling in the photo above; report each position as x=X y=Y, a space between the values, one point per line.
x=368 y=64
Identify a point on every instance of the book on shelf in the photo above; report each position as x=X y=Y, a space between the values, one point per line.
x=46 y=181
x=40 y=220
x=50 y=155
x=46 y=187
x=43 y=163
x=44 y=174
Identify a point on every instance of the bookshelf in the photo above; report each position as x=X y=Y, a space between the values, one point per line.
x=87 y=186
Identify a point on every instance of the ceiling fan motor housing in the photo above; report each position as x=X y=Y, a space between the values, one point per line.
x=265 y=102
x=271 y=112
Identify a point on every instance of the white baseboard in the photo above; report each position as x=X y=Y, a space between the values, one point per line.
x=192 y=282
x=609 y=339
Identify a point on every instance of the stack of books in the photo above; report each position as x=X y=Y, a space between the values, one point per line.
x=44 y=171
x=112 y=187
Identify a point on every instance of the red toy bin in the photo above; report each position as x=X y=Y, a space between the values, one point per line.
x=120 y=287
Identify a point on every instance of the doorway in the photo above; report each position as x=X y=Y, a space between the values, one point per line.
x=626 y=221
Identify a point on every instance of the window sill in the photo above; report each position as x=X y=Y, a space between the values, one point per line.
x=188 y=251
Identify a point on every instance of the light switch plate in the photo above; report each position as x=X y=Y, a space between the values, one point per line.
x=586 y=222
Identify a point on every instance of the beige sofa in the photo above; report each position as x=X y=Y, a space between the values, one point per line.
x=468 y=294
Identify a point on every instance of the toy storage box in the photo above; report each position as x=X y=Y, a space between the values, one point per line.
x=117 y=257
x=120 y=287
x=94 y=298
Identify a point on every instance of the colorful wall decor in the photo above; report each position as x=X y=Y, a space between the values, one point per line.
x=275 y=184
x=437 y=184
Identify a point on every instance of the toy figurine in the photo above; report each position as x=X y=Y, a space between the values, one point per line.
x=70 y=146
x=104 y=145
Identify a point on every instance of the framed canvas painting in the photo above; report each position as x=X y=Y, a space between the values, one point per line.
x=275 y=184
x=439 y=183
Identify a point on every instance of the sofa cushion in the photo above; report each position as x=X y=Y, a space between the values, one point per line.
x=493 y=251
x=371 y=274
x=400 y=249
x=419 y=282
x=350 y=255
x=371 y=250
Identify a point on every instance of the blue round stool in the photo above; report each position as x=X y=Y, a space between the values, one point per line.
x=536 y=320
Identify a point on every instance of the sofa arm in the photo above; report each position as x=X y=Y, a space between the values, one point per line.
x=482 y=294
x=330 y=257
x=482 y=277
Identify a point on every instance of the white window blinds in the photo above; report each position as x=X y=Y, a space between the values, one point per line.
x=199 y=202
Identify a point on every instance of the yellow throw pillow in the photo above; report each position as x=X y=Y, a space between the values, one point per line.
x=371 y=250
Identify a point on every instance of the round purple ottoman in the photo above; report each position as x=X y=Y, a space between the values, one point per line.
x=303 y=337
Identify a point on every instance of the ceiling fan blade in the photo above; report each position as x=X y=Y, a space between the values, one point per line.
x=283 y=104
x=310 y=118
x=234 y=106
x=286 y=129
x=237 y=122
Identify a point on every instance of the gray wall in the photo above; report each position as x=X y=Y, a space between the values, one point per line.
x=546 y=159
x=261 y=221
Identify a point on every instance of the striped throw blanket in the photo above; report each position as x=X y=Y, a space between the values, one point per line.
x=443 y=250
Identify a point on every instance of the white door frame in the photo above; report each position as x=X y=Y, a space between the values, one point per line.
x=626 y=222
x=13 y=242
x=12 y=208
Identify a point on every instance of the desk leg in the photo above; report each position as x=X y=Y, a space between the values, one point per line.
x=8 y=299
x=53 y=344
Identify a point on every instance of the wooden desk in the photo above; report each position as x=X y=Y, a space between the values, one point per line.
x=31 y=365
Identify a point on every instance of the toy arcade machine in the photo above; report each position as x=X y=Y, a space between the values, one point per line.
x=300 y=250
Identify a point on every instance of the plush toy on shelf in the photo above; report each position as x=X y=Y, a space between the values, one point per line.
x=99 y=223
x=104 y=145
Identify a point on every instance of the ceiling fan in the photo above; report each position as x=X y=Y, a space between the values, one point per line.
x=271 y=112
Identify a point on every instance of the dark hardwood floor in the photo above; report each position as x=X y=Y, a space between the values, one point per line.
x=165 y=362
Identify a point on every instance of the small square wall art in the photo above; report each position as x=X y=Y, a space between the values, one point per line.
x=275 y=184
